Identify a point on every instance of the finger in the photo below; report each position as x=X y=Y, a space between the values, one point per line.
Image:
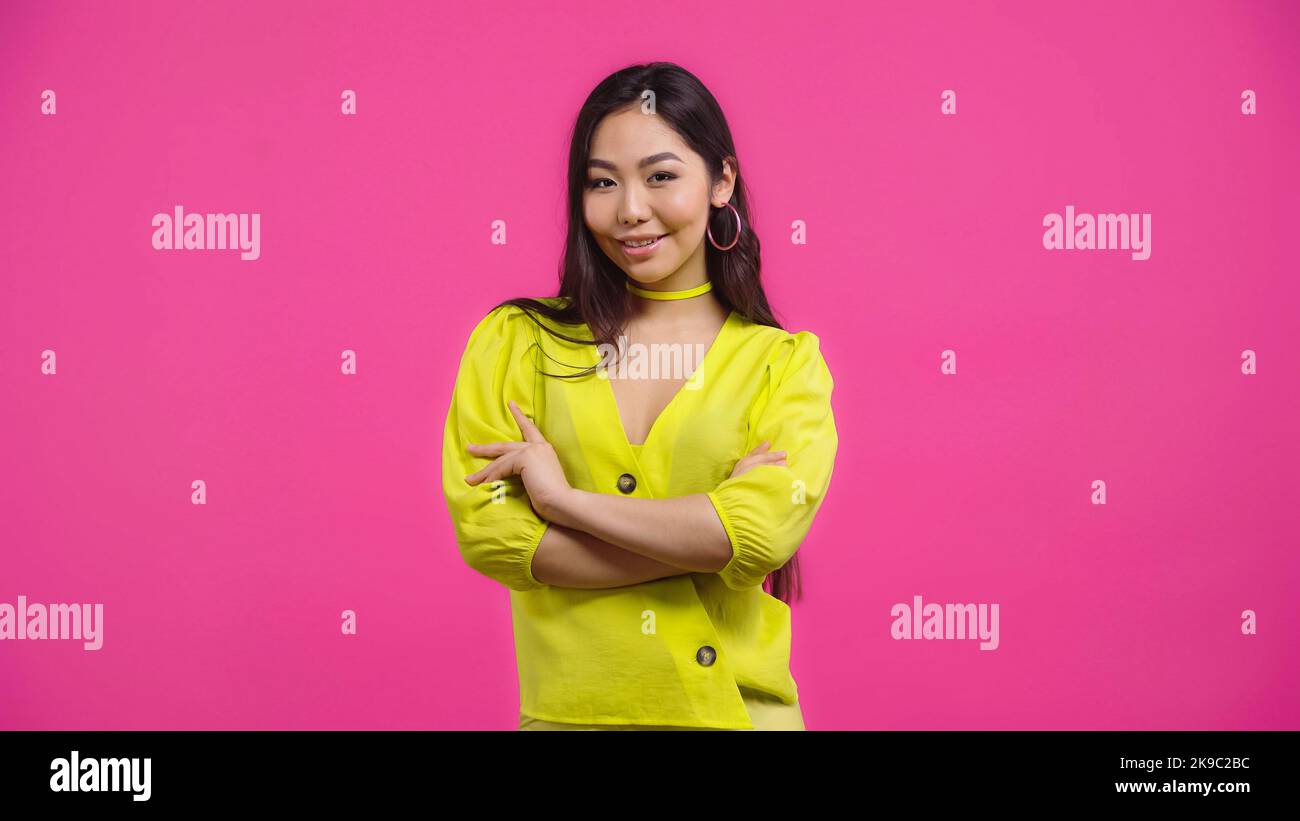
x=495 y=448
x=761 y=447
x=499 y=469
x=487 y=474
x=530 y=431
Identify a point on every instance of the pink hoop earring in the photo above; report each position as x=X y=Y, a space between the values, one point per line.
x=739 y=228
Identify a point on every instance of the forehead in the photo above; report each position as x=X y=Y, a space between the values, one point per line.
x=627 y=136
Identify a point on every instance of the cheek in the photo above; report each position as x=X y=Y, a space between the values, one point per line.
x=590 y=214
x=681 y=210
x=683 y=214
x=600 y=214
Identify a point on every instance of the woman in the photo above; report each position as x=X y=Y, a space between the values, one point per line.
x=635 y=510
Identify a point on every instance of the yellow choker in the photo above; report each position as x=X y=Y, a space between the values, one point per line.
x=687 y=294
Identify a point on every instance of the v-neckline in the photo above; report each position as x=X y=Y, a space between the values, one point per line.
x=613 y=399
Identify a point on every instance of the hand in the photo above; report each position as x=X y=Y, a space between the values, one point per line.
x=758 y=456
x=533 y=459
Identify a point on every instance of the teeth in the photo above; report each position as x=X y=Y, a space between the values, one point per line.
x=642 y=244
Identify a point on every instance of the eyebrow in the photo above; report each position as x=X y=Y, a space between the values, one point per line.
x=651 y=160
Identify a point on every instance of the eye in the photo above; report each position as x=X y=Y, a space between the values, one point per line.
x=596 y=184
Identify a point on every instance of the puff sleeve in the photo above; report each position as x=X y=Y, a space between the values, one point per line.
x=497 y=530
x=767 y=510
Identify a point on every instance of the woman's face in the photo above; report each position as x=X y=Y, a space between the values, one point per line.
x=666 y=199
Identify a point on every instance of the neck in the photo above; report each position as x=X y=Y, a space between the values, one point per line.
x=670 y=295
x=675 y=305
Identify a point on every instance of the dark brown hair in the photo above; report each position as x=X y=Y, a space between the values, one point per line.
x=592 y=290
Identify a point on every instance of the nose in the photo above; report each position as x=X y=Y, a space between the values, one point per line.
x=633 y=207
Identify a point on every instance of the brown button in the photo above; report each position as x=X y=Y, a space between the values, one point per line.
x=627 y=483
x=706 y=655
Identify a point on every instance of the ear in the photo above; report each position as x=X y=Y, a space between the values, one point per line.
x=723 y=188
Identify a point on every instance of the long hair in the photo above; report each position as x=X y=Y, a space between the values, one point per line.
x=592 y=290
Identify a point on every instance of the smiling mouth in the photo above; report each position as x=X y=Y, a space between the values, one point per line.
x=643 y=243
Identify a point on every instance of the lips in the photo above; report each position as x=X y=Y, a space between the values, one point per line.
x=641 y=241
x=642 y=250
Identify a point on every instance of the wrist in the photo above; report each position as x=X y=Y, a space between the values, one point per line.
x=562 y=507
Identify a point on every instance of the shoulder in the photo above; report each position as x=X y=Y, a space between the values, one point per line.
x=513 y=329
x=509 y=313
x=784 y=351
x=509 y=319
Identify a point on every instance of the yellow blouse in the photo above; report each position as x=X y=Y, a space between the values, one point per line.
x=673 y=651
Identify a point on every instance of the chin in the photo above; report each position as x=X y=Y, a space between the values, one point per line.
x=644 y=279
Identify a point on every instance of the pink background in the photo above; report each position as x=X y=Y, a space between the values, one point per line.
x=925 y=233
